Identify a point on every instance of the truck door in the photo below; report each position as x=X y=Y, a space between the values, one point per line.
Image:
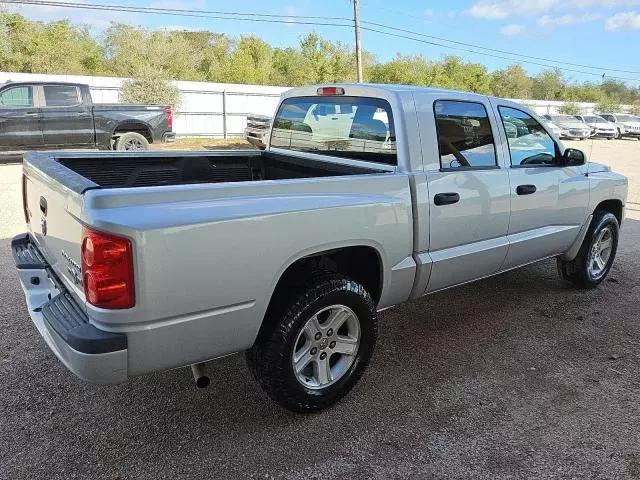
x=66 y=120
x=469 y=196
x=548 y=201
x=19 y=126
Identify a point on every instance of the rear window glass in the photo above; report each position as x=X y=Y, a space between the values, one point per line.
x=61 y=95
x=17 y=97
x=350 y=127
x=464 y=135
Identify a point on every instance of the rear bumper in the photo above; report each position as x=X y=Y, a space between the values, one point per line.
x=169 y=137
x=90 y=353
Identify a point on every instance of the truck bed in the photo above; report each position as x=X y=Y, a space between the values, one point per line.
x=118 y=170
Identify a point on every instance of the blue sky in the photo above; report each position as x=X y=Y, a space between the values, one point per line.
x=602 y=33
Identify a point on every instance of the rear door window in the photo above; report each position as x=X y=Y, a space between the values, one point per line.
x=464 y=135
x=349 y=127
x=17 y=97
x=61 y=95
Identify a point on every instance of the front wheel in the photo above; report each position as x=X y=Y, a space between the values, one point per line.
x=310 y=354
x=596 y=255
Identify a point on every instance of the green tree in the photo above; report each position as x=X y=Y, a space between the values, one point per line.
x=570 y=108
x=607 y=105
x=511 y=82
x=549 y=85
x=150 y=86
x=128 y=51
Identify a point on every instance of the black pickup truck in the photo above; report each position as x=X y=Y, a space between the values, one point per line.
x=48 y=115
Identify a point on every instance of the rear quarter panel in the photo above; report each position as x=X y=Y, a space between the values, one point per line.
x=108 y=117
x=208 y=257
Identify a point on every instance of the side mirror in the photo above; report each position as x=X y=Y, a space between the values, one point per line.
x=573 y=157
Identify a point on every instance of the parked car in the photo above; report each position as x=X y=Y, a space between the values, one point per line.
x=551 y=127
x=570 y=127
x=627 y=125
x=257 y=131
x=599 y=126
x=145 y=261
x=52 y=115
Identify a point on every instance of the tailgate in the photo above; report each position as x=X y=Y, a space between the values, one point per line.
x=52 y=209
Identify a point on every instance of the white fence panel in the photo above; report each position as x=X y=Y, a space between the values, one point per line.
x=219 y=109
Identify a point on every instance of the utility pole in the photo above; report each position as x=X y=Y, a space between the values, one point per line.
x=356 y=20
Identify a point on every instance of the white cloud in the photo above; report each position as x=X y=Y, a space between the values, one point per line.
x=513 y=29
x=548 y=21
x=498 y=9
x=452 y=13
x=290 y=10
x=501 y=9
x=623 y=21
x=98 y=19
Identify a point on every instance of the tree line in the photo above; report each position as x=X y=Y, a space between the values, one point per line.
x=154 y=55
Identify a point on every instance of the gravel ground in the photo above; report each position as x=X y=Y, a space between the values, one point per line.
x=518 y=376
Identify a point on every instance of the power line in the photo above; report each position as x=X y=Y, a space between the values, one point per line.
x=479 y=47
x=246 y=17
x=493 y=55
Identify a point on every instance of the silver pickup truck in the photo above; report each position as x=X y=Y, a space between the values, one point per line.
x=366 y=196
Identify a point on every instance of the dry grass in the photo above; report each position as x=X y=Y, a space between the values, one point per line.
x=195 y=143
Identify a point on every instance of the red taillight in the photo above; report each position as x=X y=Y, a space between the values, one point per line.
x=169 y=113
x=24 y=198
x=330 y=91
x=107 y=270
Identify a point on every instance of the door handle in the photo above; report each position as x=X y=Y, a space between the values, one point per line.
x=31 y=114
x=446 y=198
x=525 y=189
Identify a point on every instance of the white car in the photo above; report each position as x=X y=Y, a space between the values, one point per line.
x=570 y=126
x=600 y=127
x=627 y=125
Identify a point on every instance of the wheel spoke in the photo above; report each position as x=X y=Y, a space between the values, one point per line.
x=322 y=370
x=312 y=328
x=599 y=262
x=345 y=345
x=302 y=358
x=336 y=319
x=605 y=244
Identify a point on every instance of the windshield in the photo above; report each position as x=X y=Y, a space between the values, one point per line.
x=594 y=119
x=351 y=127
x=563 y=118
x=628 y=118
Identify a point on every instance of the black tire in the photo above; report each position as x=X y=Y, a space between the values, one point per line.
x=271 y=357
x=132 y=141
x=619 y=135
x=578 y=270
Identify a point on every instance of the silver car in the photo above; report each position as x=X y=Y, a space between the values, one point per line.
x=551 y=127
x=626 y=125
x=599 y=126
x=570 y=126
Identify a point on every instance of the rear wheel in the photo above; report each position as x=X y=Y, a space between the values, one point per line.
x=132 y=141
x=596 y=255
x=312 y=353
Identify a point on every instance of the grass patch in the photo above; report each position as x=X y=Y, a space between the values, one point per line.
x=200 y=143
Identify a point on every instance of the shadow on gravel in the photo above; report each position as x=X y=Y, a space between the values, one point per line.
x=518 y=375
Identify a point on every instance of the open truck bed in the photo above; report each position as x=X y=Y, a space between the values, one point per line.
x=152 y=169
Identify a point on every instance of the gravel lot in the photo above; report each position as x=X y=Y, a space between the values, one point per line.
x=518 y=376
